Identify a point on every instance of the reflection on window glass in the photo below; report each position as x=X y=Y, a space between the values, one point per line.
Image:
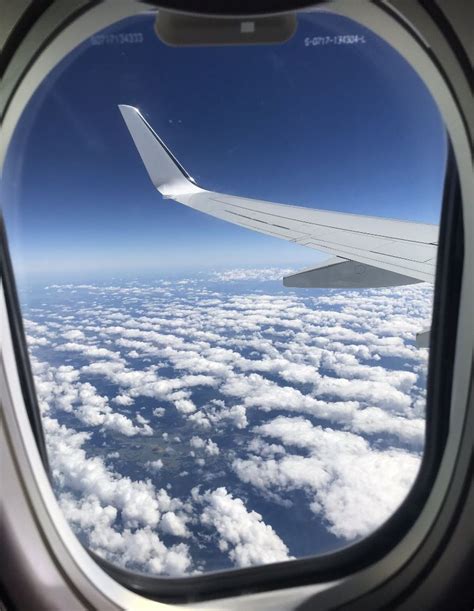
x=199 y=415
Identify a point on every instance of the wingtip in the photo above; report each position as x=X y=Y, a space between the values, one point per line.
x=128 y=107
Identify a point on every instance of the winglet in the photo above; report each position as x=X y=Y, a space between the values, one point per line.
x=165 y=171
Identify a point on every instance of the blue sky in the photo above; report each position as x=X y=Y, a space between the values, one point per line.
x=340 y=127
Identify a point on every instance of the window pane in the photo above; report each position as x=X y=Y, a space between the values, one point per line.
x=199 y=415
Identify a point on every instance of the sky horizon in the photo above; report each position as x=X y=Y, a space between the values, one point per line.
x=362 y=135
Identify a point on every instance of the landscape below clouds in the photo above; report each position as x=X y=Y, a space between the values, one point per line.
x=220 y=420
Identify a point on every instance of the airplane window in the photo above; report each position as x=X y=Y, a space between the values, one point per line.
x=225 y=257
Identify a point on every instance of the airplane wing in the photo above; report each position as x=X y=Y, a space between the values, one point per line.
x=366 y=251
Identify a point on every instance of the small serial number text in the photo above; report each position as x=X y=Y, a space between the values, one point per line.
x=131 y=38
x=344 y=39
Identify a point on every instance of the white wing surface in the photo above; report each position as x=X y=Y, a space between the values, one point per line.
x=366 y=251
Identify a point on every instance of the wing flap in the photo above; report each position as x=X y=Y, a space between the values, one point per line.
x=342 y=273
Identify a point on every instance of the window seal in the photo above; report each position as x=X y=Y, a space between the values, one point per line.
x=306 y=570
x=25 y=23
x=20 y=346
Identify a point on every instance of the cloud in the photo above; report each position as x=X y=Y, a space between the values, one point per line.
x=236 y=414
x=209 y=446
x=139 y=549
x=90 y=352
x=75 y=471
x=242 y=534
x=354 y=486
x=212 y=448
x=147 y=383
x=73 y=334
x=374 y=420
x=98 y=501
x=185 y=406
x=154 y=465
x=59 y=389
x=123 y=400
x=259 y=274
x=197 y=442
x=36 y=341
x=173 y=524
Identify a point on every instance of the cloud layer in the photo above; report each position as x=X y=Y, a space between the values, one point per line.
x=177 y=414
